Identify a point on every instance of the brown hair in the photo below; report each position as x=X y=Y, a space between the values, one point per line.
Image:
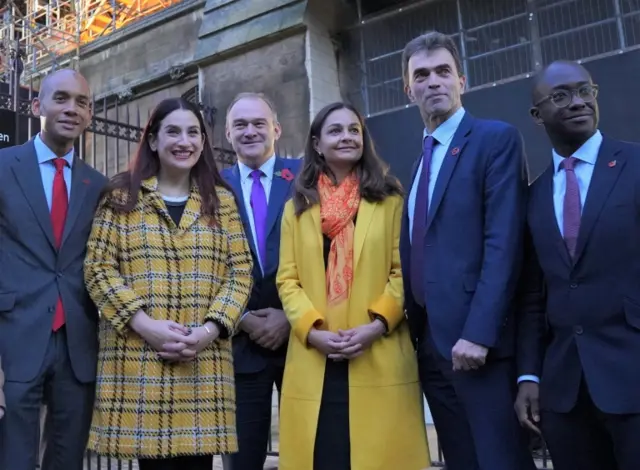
x=257 y=96
x=373 y=173
x=426 y=43
x=146 y=164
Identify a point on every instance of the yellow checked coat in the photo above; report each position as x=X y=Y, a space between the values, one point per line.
x=385 y=400
x=146 y=407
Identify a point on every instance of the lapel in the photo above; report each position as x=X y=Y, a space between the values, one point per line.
x=280 y=190
x=548 y=210
x=365 y=216
x=80 y=183
x=404 y=233
x=236 y=184
x=602 y=182
x=317 y=225
x=191 y=211
x=314 y=212
x=459 y=141
x=27 y=173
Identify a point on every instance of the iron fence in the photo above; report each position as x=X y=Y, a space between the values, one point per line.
x=499 y=40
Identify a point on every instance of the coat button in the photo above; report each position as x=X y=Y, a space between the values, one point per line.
x=578 y=330
x=574 y=285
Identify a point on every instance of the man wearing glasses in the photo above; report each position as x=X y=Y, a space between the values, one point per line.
x=580 y=298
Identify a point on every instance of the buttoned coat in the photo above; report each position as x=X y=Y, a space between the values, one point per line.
x=190 y=273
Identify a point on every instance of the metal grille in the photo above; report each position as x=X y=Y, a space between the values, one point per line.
x=499 y=40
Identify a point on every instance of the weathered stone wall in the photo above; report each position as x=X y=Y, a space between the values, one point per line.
x=283 y=48
x=144 y=54
x=276 y=69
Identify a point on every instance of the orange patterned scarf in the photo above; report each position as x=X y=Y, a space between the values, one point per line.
x=338 y=207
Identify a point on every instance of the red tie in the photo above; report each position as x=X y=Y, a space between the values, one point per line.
x=59 y=205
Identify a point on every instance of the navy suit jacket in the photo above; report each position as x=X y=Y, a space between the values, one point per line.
x=581 y=318
x=248 y=356
x=473 y=241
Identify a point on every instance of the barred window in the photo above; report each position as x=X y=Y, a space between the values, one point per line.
x=499 y=40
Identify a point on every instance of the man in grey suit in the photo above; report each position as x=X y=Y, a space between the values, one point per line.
x=48 y=324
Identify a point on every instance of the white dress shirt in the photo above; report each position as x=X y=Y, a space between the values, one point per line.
x=48 y=170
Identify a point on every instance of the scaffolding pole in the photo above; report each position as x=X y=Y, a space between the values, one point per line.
x=49 y=34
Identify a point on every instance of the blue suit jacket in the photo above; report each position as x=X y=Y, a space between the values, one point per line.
x=581 y=317
x=473 y=241
x=247 y=355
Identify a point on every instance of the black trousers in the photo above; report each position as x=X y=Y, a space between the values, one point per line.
x=254 y=395
x=197 y=462
x=332 y=450
x=588 y=439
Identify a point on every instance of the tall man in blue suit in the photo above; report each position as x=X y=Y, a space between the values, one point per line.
x=263 y=183
x=461 y=250
x=580 y=324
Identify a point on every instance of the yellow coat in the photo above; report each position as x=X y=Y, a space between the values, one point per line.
x=386 y=412
x=146 y=407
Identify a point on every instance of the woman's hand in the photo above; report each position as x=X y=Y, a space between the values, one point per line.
x=357 y=340
x=161 y=333
x=203 y=335
x=326 y=342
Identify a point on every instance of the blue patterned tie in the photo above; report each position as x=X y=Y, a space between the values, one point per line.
x=420 y=213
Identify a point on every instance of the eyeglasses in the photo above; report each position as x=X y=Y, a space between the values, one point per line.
x=563 y=98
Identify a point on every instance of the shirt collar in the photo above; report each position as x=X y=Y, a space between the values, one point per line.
x=267 y=168
x=588 y=152
x=45 y=154
x=444 y=132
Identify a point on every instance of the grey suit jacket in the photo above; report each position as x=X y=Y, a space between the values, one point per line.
x=33 y=273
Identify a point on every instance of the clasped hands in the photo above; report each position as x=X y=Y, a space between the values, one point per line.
x=268 y=327
x=173 y=341
x=346 y=344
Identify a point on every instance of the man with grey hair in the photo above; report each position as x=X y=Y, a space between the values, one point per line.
x=461 y=245
x=262 y=182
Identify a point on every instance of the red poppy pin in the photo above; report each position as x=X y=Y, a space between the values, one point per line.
x=455 y=151
x=612 y=163
x=285 y=174
x=86 y=181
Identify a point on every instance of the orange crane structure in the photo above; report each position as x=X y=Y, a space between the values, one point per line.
x=46 y=34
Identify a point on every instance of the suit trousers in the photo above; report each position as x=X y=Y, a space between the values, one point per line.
x=69 y=408
x=588 y=439
x=473 y=412
x=254 y=406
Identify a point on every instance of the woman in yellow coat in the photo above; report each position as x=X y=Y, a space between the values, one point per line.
x=351 y=398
